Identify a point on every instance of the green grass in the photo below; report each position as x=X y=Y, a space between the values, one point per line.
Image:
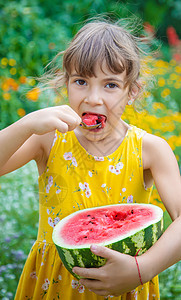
x=19 y=218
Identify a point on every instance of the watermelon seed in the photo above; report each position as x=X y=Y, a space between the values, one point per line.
x=91 y=222
x=132 y=211
x=85 y=237
x=88 y=215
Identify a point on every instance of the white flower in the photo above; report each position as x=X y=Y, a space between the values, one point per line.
x=119 y=165
x=64 y=141
x=81 y=185
x=90 y=173
x=117 y=172
x=86 y=185
x=50 y=181
x=33 y=275
x=47 y=281
x=114 y=170
x=124 y=190
x=75 y=284
x=111 y=168
x=103 y=185
x=74 y=162
x=81 y=289
x=88 y=193
x=67 y=155
x=45 y=286
x=58 y=191
x=47 y=188
x=59 y=277
x=48 y=211
x=56 y=220
x=50 y=222
x=130 y=199
x=99 y=158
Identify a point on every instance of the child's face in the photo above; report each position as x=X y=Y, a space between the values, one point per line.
x=102 y=94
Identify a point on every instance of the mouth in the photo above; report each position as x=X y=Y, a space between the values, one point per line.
x=92 y=121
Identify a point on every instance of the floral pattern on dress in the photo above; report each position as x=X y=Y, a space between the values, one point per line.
x=84 y=181
x=117 y=168
x=85 y=188
x=69 y=157
x=76 y=285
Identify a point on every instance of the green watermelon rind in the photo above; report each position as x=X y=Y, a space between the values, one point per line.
x=140 y=241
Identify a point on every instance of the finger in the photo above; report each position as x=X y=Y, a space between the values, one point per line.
x=70 y=120
x=103 y=251
x=68 y=111
x=61 y=126
x=92 y=273
x=92 y=284
x=100 y=292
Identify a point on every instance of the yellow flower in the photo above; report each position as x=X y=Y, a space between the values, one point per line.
x=161 y=64
x=146 y=94
x=178 y=69
x=165 y=93
x=12 y=62
x=6 y=96
x=4 y=61
x=177 y=85
x=158 y=105
x=33 y=94
x=173 y=62
x=173 y=76
x=64 y=92
x=161 y=81
x=13 y=71
x=31 y=81
x=21 y=112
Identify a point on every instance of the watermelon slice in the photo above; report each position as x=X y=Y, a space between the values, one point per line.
x=94 y=119
x=126 y=228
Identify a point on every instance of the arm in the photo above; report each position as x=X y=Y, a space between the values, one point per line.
x=159 y=158
x=120 y=273
x=21 y=142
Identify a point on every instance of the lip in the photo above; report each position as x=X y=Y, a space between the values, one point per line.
x=102 y=117
x=94 y=113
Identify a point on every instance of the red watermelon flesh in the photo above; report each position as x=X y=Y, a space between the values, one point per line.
x=104 y=224
x=93 y=119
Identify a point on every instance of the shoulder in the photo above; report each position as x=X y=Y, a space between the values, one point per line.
x=155 y=151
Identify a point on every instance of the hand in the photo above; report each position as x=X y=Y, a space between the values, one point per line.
x=63 y=118
x=119 y=275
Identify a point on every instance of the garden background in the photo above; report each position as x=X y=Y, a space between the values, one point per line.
x=31 y=33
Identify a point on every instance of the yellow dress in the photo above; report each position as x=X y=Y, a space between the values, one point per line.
x=75 y=180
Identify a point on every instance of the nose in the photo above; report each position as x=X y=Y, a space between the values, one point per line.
x=93 y=97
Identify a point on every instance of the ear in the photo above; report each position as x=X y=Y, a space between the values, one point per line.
x=133 y=92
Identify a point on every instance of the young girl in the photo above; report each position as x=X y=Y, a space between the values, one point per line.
x=81 y=167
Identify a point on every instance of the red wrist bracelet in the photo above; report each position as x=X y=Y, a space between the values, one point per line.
x=138 y=268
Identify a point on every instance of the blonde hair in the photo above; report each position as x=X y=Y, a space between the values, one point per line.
x=95 y=43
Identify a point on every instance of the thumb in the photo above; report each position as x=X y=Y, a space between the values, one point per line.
x=102 y=251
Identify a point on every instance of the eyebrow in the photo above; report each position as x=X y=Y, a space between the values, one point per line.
x=105 y=79
x=113 y=79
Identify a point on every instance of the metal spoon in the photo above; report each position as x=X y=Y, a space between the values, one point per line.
x=85 y=126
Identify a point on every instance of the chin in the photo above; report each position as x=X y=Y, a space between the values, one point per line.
x=94 y=136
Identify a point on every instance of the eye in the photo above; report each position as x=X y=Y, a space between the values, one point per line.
x=80 y=82
x=111 y=85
